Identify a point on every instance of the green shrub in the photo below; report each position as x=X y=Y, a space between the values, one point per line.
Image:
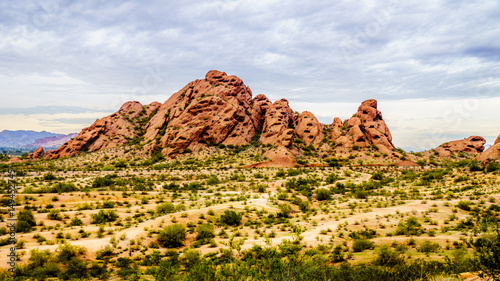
x=488 y=252
x=285 y=210
x=108 y=204
x=231 y=218
x=378 y=175
x=54 y=215
x=172 y=236
x=363 y=234
x=464 y=205
x=120 y=163
x=323 y=194
x=410 y=227
x=75 y=221
x=492 y=166
x=280 y=173
x=104 y=217
x=475 y=167
x=332 y=178
x=388 y=257
x=103 y=181
x=190 y=258
x=25 y=221
x=49 y=177
x=165 y=208
x=105 y=251
x=205 y=231
x=334 y=162
x=66 y=252
x=428 y=246
x=359 y=245
x=213 y=180
x=42 y=265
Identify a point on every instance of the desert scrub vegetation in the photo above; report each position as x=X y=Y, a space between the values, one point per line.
x=285 y=261
x=172 y=236
x=205 y=216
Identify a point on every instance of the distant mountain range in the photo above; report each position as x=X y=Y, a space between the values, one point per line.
x=32 y=139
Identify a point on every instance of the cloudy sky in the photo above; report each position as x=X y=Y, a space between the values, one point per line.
x=434 y=66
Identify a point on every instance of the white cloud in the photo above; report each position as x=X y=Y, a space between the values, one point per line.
x=63 y=123
x=99 y=53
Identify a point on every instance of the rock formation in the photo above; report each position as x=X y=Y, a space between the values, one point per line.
x=280 y=157
x=220 y=110
x=471 y=145
x=276 y=129
x=490 y=154
x=38 y=153
x=210 y=111
x=309 y=129
x=365 y=128
x=124 y=126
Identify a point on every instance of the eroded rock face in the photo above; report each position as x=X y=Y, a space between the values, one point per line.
x=365 y=128
x=220 y=110
x=213 y=110
x=490 y=154
x=108 y=132
x=260 y=104
x=37 y=154
x=471 y=145
x=309 y=129
x=374 y=126
x=276 y=129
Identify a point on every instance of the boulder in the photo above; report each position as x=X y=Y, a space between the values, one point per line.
x=38 y=153
x=490 y=154
x=309 y=129
x=365 y=128
x=472 y=145
x=276 y=129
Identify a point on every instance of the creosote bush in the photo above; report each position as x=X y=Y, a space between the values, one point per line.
x=231 y=218
x=172 y=236
x=205 y=231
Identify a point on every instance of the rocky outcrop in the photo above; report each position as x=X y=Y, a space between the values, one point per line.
x=472 y=145
x=210 y=111
x=276 y=129
x=309 y=129
x=280 y=157
x=365 y=128
x=37 y=154
x=260 y=104
x=406 y=163
x=124 y=126
x=490 y=154
x=15 y=160
x=374 y=126
x=220 y=110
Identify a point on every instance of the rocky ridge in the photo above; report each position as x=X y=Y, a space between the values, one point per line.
x=220 y=110
x=472 y=145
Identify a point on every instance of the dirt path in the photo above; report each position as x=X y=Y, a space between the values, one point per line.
x=309 y=236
